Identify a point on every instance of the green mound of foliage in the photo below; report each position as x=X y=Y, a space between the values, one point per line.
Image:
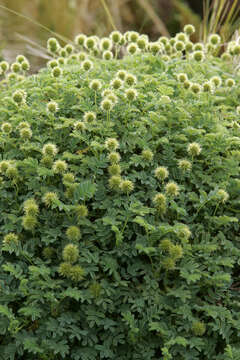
x=119 y=227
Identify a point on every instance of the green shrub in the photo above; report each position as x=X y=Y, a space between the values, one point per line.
x=120 y=204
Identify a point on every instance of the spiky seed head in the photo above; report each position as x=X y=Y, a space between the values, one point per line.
x=161 y=173
x=207 y=86
x=47 y=161
x=69 y=49
x=56 y=72
x=126 y=186
x=25 y=133
x=184 y=165
x=25 y=66
x=70 y=253
x=12 y=172
x=4 y=164
x=222 y=196
x=147 y=155
x=52 y=107
x=112 y=97
x=181 y=36
x=19 y=97
x=63 y=52
x=105 y=44
x=30 y=207
x=130 y=79
x=116 y=83
x=16 y=67
x=176 y=252
x=165 y=245
x=214 y=39
x=87 y=65
x=65 y=269
x=48 y=252
x=131 y=94
x=121 y=74
x=114 y=169
x=82 y=56
x=236 y=50
x=111 y=144
x=116 y=37
x=189 y=46
x=114 y=157
x=230 y=82
x=114 y=182
x=90 y=42
x=50 y=198
x=168 y=264
x=194 y=149
x=4 y=65
x=52 y=64
x=172 y=189
x=198 y=47
x=198 y=328
x=179 y=45
x=6 y=128
x=95 y=85
x=160 y=200
x=29 y=222
x=182 y=77
x=52 y=45
x=107 y=55
x=226 y=56
x=80 y=39
x=187 y=84
x=142 y=43
x=10 y=238
x=165 y=99
x=132 y=48
x=165 y=58
x=183 y=233
x=106 y=92
x=68 y=178
x=73 y=233
x=79 y=126
x=164 y=40
x=189 y=29
x=89 y=117
x=195 y=88
x=106 y=105
x=81 y=211
x=155 y=47
x=77 y=273
x=60 y=61
x=216 y=81
x=59 y=166
x=20 y=58
x=198 y=55
x=50 y=149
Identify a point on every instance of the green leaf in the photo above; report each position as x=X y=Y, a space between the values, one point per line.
x=84 y=191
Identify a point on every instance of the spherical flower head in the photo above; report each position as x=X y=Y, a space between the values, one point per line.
x=172 y=189
x=236 y=50
x=121 y=74
x=182 y=37
x=230 y=82
x=107 y=55
x=163 y=40
x=25 y=66
x=12 y=172
x=126 y=186
x=195 y=88
x=87 y=65
x=56 y=72
x=81 y=211
x=65 y=269
x=116 y=37
x=226 y=56
x=179 y=45
x=20 y=58
x=209 y=48
x=165 y=99
x=168 y=264
x=25 y=133
x=30 y=207
x=189 y=46
x=89 y=117
x=50 y=198
x=208 y=87
x=59 y=166
x=63 y=52
x=184 y=165
x=132 y=49
x=182 y=77
x=183 y=233
x=161 y=173
x=47 y=161
x=189 y=29
x=187 y=84
x=90 y=43
x=131 y=94
x=168 y=48
x=198 y=328
x=69 y=48
x=114 y=157
x=50 y=149
x=176 y=252
x=111 y=144
x=106 y=92
x=106 y=105
x=79 y=126
x=73 y=233
x=114 y=169
x=165 y=58
x=19 y=97
x=6 y=128
x=147 y=155
x=70 y=253
x=165 y=245
x=52 y=64
x=112 y=97
x=222 y=196
x=95 y=85
x=48 y=252
x=52 y=45
x=216 y=81
x=82 y=56
x=114 y=182
x=29 y=222
x=61 y=61
x=68 y=178
x=130 y=79
x=16 y=67
x=105 y=44
x=142 y=43
x=214 y=39
x=77 y=273
x=80 y=39
x=10 y=238
x=160 y=200
x=198 y=55
x=198 y=47
x=116 y=83
x=4 y=164
x=52 y=107
x=194 y=149
x=4 y=66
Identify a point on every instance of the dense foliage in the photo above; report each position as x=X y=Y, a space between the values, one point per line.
x=119 y=202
